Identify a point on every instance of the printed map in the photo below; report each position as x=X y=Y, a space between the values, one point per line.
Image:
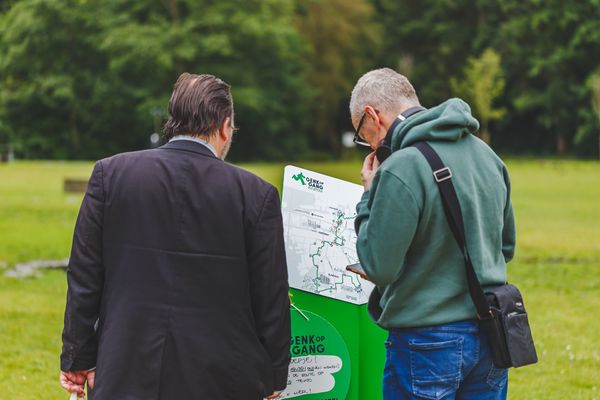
x=318 y=217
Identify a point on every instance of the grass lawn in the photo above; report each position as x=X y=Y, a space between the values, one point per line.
x=557 y=204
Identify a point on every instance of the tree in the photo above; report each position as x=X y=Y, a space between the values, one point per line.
x=549 y=49
x=429 y=40
x=84 y=79
x=343 y=41
x=49 y=73
x=594 y=83
x=483 y=83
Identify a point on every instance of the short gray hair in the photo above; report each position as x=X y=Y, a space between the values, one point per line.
x=383 y=89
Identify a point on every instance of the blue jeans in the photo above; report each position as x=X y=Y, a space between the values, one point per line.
x=450 y=361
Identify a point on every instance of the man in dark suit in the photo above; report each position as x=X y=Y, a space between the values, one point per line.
x=177 y=282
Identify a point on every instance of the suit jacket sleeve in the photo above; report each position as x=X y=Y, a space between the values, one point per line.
x=269 y=286
x=85 y=276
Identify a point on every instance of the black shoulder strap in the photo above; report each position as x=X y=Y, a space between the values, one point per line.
x=443 y=177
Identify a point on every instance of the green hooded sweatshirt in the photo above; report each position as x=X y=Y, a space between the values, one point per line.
x=404 y=242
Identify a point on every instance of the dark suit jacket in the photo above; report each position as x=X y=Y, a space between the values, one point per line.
x=180 y=258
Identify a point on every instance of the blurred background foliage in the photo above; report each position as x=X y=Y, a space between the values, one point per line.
x=83 y=79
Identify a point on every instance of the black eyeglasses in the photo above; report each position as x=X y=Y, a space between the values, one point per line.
x=357 y=138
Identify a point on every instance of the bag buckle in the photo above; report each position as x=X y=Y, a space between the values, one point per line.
x=486 y=317
x=442 y=174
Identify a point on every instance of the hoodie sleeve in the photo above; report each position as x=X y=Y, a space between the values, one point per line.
x=386 y=222
x=509 y=234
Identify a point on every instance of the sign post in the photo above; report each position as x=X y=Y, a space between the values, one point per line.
x=318 y=216
x=318 y=353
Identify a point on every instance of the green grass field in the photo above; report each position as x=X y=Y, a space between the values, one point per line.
x=557 y=204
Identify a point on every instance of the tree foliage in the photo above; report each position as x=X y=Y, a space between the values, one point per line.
x=594 y=84
x=84 y=78
x=343 y=43
x=483 y=83
x=548 y=51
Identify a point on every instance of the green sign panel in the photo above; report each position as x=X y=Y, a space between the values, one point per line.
x=320 y=367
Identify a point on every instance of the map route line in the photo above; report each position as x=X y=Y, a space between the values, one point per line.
x=336 y=284
x=340 y=217
x=320 y=239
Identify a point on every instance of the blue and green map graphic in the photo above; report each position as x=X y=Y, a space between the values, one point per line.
x=318 y=216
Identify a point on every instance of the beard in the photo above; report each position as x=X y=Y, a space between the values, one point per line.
x=226 y=148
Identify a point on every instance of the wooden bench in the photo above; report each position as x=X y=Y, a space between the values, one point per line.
x=75 y=185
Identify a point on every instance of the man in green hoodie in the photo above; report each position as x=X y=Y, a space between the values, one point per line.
x=434 y=349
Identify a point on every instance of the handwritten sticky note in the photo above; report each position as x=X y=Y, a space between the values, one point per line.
x=311 y=375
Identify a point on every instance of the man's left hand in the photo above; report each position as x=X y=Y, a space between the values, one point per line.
x=369 y=168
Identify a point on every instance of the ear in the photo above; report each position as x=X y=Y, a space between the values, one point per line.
x=373 y=114
x=224 y=129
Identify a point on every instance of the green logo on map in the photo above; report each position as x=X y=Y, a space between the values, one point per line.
x=312 y=183
x=299 y=177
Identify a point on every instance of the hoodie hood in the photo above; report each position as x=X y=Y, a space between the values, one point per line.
x=449 y=121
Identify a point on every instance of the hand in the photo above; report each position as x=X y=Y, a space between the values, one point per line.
x=368 y=170
x=274 y=396
x=74 y=381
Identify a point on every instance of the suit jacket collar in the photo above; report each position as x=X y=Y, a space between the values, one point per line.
x=190 y=146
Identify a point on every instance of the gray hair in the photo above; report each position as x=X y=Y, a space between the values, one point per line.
x=383 y=89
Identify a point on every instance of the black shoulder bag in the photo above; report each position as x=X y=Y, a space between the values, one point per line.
x=500 y=309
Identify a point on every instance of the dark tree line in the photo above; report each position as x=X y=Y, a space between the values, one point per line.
x=81 y=79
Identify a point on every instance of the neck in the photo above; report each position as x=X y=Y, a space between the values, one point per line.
x=213 y=140
x=387 y=120
x=218 y=144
